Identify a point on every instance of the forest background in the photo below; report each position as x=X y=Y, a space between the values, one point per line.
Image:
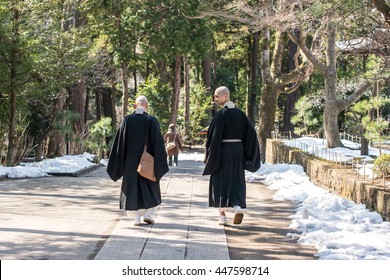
x=70 y=69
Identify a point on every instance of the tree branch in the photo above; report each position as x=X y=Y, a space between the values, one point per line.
x=300 y=74
x=382 y=6
x=310 y=56
x=343 y=104
x=292 y=88
x=296 y=74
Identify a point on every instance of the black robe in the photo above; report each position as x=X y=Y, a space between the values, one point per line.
x=226 y=161
x=137 y=192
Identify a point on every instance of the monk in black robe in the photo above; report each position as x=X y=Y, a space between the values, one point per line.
x=231 y=148
x=138 y=193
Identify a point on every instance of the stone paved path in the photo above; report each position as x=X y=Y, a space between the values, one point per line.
x=78 y=218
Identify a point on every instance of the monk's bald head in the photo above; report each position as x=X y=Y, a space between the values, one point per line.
x=221 y=95
x=141 y=101
x=223 y=91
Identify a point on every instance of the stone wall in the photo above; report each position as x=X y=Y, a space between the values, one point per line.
x=327 y=175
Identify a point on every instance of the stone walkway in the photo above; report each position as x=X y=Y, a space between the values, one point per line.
x=78 y=218
x=185 y=228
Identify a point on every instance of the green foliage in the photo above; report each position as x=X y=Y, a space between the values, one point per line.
x=120 y=23
x=199 y=111
x=159 y=97
x=373 y=126
x=38 y=124
x=99 y=133
x=46 y=51
x=171 y=27
x=232 y=59
x=63 y=124
x=382 y=165
x=62 y=42
x=304 y=120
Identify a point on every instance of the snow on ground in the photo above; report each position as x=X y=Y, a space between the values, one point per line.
x=342 y=155
x=318 y=146
x=192 y=156
x=64 y=164
x=339 y=228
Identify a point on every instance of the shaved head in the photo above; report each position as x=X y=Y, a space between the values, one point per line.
x=223 y=91
x=141 y=101
x=221 y=95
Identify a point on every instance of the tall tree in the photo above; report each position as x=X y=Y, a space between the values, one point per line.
x=284 y=16
x=176 y=89
x=13 y=62
x=186 y=97
x=253 y=44
x=117 y=21
x=273 y=41
x=334 y=16
x=172 y=32
x=275 y=82
x=16 y=61
x=291 y=98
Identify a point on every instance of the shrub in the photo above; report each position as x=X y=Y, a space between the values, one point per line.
x=382 y=165
x=99 y=133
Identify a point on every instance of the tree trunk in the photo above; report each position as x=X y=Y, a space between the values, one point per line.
x=107 y=102
x=56 y=142
x=187 y=97
x=125 y=89
x=162 y=72
x=291 y=98
x=78 y=106
x=135 y=73
x=332 y=108
x=86 y=107
x=248 y=74
x=264 y=126
x=176 y=90
x=38 y=152
x=331 y=127
x=252 y=94
x=378 y=116
x=271 y=89
x=206 y=75
x=12 y=116
x=214 y=67
x=236 y=77
x=364 y=151
x=98 y=104
x=12 y=88
x=113 y=101
x=135 y=82
x=267 y=112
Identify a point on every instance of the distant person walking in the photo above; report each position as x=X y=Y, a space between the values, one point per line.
x=138 y=194
x=173 y=136
x=231 y=147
